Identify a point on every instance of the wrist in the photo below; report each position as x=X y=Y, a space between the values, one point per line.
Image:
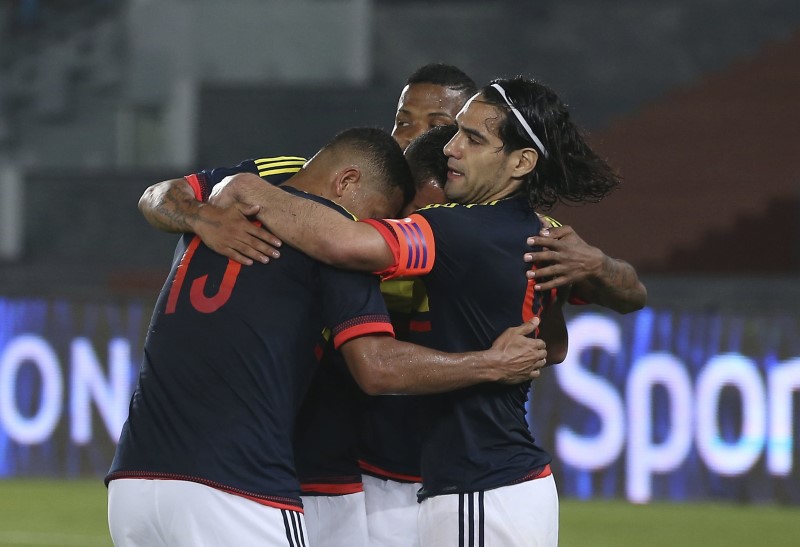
x=490 y=364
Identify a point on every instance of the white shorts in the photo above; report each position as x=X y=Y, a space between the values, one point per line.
x=521 y=515
x=392 y=512
x=336 y=521
x=169 y=513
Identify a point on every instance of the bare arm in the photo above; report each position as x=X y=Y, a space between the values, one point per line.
x=595 y=277
x=315 y=229
x=383 y=365
x=171 y=206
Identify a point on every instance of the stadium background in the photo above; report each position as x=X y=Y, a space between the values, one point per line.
x=690 y=404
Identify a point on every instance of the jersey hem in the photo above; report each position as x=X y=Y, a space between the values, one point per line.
x=279 y=502
x=382 y=473
x=536 y=473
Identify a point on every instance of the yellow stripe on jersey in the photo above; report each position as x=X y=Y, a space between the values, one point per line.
x=279 y=158
x=279 y=165
x=267 y=172
x=286 y=163
x=548 y=219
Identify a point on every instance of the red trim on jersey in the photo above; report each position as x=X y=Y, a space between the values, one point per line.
x=331 y=489
x=527 y=302
x=538 y=473
x=272 y=501
x=362 y=329
x=419 y=326
x=578 y=301
x=180 y=274
x=381 y=473
x=411 y=242
x=194 y=182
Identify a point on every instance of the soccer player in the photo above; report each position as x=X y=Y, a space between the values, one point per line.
x=516 y=151
x=432 y=96
x=390 y=440
x=205 y=457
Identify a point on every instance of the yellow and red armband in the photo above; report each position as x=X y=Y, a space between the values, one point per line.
x=412 y=244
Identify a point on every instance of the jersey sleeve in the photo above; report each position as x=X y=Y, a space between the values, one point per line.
x=412 y=243
x=550 y=222
x=352 y=305
x=274 y=170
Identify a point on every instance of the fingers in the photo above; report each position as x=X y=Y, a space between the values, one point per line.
x=552 y=243
x=267 y=237
x=554 y=283
x=537 y=369
x=253 y=249
x=540 y=256
x=238 y=257
x=528 y=326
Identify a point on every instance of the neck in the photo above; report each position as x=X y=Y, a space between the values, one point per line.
x=311 y=185
x=506 y=191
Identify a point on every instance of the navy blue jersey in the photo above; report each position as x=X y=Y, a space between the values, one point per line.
x=227 y=360
x=325 y=439
x=326 y=434
x=274 y=170
x=475 y=438
x=389 y=435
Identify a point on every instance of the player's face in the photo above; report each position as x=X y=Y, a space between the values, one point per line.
x=431 y=191
x=478 y=169
x=422 y=107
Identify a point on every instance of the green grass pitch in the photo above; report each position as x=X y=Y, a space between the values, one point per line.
x=57 y=513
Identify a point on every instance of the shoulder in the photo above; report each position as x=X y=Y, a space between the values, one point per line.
x=317 y=199
x=278 y=165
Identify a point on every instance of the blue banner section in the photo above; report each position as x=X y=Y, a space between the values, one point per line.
x=67 y=371
x=671 y=405
x=657 y=405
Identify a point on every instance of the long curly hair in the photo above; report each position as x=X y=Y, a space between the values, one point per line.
x=572 y=172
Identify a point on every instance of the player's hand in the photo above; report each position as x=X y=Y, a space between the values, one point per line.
x=565 y=259
x=520 y=358
x=230 y=232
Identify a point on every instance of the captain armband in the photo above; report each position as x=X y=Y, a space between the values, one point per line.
x=411 y=242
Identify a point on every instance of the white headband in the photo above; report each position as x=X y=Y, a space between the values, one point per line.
x=518 y=114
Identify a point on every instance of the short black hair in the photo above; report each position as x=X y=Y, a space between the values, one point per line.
x=446 y=76
x=383 y=156
x=425 y=155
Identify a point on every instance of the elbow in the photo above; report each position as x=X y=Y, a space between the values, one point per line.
x=145 y=201
x=373 y=388
x=147 y=206
x=370 y=373
x=557 y=354
x=373 y=381
x=636 y=302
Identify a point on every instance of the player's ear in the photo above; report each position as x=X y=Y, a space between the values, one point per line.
x=526 y=159
x=347 y=177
